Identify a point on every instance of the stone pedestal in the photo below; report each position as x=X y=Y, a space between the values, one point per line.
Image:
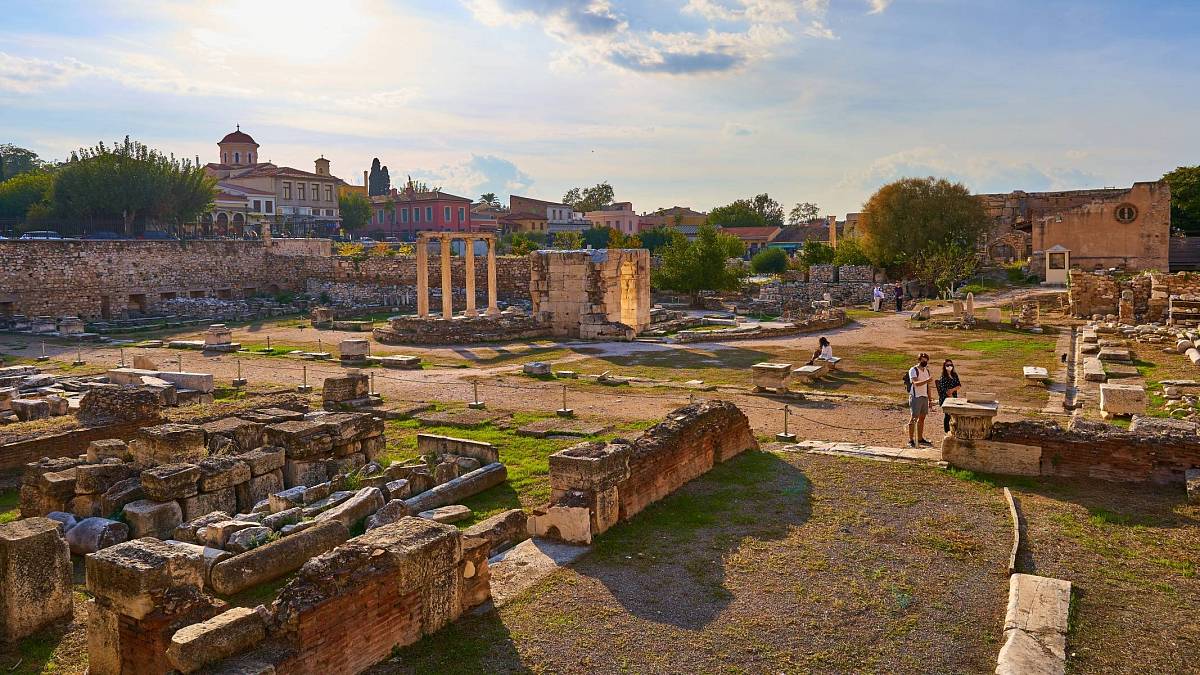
x=217 y=334
x=971 y=420
x=354 y=350
x=1122 y=399
x=35 y=577
x=771 y=376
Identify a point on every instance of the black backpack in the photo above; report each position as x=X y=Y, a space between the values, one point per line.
x=907 y=381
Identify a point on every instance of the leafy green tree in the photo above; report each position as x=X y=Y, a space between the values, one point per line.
x=769 y=260
x=913 y=215
x=15 y=161
x=597 y=236
x=656 y=238
x=770 y=210
x=522 y=243
x=568 y=240
x=1185 y=198
x=379 y=182
x=850 y=252
x=589 y=199
x=945 y=265
x=356 y=210
x=740 y=213
x=132 y=182
x=490 y=199
x=19 y=193
x=816 y=253
x=701 y=265
x=803 y=213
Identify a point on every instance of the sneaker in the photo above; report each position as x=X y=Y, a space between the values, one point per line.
x=925 y=442
x=912 y=444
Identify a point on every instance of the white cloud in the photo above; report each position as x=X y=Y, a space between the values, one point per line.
x=21 y=75
x=737 y=129
x=819 y=30
x=474 y=176
x=980 y=174
x=877 y=6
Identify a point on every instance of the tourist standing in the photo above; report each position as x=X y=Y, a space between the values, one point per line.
x=919 y=380
x=947 y=387
x=899 y=291
x=877 y=299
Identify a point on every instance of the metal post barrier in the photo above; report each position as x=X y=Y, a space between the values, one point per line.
x=239 y=381
x=564 y=411
x=786 y=437
x=122 y=357
x=372 y=391
x=304 y=388
x=179 y=362
x=268 y=343
x=43 y=357
x=475 y=403
x=78 y=356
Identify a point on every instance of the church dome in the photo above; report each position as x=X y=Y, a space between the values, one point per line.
x=238 y=136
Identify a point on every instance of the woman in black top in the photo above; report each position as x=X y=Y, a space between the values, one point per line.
x=947 y=386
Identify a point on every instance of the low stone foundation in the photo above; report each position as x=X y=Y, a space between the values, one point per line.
x=411 y=330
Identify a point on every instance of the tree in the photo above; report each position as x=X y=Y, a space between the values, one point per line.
x=656 y=238
x=816 y=253
x=701 y=265
x=769 y=260
x=133 y=182
x=15 y=161
x=1185 y=198
x=618 y=239
x=568 y=240
x=379 y=182
x=522 y=243
x=589 y=199
x=945 y=265
x=740 y=213
x=19 y=193
x=850 y=252
x=913 y=215
x=356 y=210
x=770 y=210
x=597 y=236
x=490 y=199
x=803 y=213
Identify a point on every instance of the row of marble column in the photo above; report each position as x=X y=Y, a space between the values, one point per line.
x=469 y=240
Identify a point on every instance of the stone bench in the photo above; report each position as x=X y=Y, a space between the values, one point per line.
x=771 y=376
x=810 y=373
x=831 y=360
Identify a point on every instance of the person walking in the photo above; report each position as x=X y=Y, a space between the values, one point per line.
x=947 y=387
x=899 y=291
x=824 y=351
x=877 y=299
x=919 y=380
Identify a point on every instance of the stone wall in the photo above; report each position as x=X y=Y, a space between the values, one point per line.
x=1091 y=293
x=600 y=294
x=1083 y=450
x=411 y=330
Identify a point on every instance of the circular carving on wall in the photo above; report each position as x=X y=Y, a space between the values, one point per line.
x=1126 y=213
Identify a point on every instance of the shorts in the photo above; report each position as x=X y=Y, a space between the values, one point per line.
x=919 y=405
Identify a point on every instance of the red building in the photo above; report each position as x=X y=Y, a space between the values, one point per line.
x=415 y=211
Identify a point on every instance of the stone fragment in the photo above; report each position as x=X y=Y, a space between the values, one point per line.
x=245 y=434
x=302 y=473
x=95 y=534
x=277 y=521
x=227 y=634
x=165 y=482
x=259 y=488
x=263 y=460
x=168 y=443
x=390 y=513
x=466 y=465
x=327 y=503
x=356 y=508
x=287 y=499
x=211 y=556
x=301 y=439
x=217 y=534
x=444 y=473
x=85 y=506
x=447 y=514
x=217 y=473
x=189 y=530
x=133 y=576
x=1035 y=626
x=317 y=492
x=35 y=577
x=108 y=448
x=120 y=494
x=501 y=531
x=1121 y=354
x=277 y=558
x=29 y=409
x=153 y=519
x=245 y=539
x=536 y=368
x=99 y=478
x=65 y=520
x=1093 y=370
x=397 y=489
x=1123 y=399
x=206 y=502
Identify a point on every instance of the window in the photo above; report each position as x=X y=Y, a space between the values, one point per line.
x=1126 y=213
x=258 y=206
x=237 y=157
x=417 y=214
x=1058 y=261
x=429 y=214
x=300 y=192
x=446 y=213
x=378 y=216
x=287 y=190
x=316 y=192
x=328 y=193
x=224 y=158
x=461 y=214
x=250 y=158
x=404 y=215
x=331 y=212
x=270 y=205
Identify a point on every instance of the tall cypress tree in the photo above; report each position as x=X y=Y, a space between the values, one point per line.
x=373 y=179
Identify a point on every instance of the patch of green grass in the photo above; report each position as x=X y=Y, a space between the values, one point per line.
x=1027 y=346
x=886 y=358
x=9 y=501
x=262 y=594
x=992 y=480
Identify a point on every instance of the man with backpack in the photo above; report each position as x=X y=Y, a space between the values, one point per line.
x=917 y=380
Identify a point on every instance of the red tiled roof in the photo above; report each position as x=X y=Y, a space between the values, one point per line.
x=768 y=233
x=238 y=136
x=428 y=196
x=524 y=215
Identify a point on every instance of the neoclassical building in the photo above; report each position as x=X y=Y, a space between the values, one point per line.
x=250 y=192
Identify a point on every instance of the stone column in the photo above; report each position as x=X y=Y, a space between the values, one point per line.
x=447 y=290
x=493 y=309
x=470 y=268
x=422 y=276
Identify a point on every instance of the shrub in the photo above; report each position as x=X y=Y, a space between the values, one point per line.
x=769 y=261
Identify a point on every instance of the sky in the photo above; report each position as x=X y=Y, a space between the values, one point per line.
x=674 y=102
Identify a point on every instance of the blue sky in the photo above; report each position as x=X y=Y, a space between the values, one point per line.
x=689 y=102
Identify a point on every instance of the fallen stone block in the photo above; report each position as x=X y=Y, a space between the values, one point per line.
x=259 y=488
x=206 y=502
x=1120 y=354
x=287 y=499
x=1123 y=399
x=277 y=558
x=1035 y=626
x=1093 y=370
x=251 y=537
x=227 y=634
x=300 y=473
x=536 y=368
x=446 y=514
x=400 y=362
x=276 y=521
x=397 y=489
x=65 y=520
x=28 y=409
x=95 y=534
x=168 y=443
x=501 y=531
x=134 y=576
x=217 y=473
x=327 y=503
x=120 y=494
x=99 y=478
x=245 y=434
x=433 y=444
x=35 y=575
x=114 y=448
x=356 y=508
x=458 y=489
x=190 y=530
x=263 y=460
x=166 y=482
x=148 y=518
x=85 y=506
x=217 y=534
x=390 y=513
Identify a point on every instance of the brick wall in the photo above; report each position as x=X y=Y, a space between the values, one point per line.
x=685 y=446
x=14 y=456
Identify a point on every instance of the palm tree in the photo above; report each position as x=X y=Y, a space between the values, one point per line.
x=490 y=199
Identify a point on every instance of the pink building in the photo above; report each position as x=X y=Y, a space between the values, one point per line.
x=420 y=211
x=620 y=216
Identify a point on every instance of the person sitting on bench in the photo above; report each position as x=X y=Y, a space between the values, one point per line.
x=824 y=351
